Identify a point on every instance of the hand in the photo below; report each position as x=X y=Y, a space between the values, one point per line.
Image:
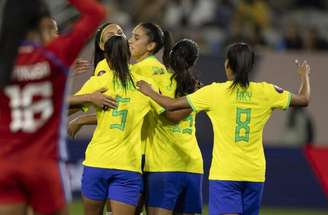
x=144 y=87
x=303 y=69
x=102 y=101
x=81 y=66
x=73 y=127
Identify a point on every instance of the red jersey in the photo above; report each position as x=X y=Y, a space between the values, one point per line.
x=32 y=107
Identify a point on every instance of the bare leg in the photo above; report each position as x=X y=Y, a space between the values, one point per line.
x=158 y=211
x=120 y=208
x=108 y=209
x=13 y=209
x=92 y=207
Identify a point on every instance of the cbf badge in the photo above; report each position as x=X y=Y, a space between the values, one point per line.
x=278 y=89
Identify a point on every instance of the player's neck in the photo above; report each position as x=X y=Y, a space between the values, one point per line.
x=142 y=57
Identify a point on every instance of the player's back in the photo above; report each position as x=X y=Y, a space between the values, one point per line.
x=31 y=106
x=116 y=142
x=238 y=116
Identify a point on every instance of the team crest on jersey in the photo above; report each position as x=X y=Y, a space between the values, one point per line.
x=278 y=89
x=101 y=72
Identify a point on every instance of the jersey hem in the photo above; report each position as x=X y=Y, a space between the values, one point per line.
x=236 y=179
x=181 y=171
x=117 y=168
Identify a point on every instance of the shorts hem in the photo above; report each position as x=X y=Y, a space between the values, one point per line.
x=135 y=204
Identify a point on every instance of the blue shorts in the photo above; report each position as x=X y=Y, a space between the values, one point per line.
x=179 y=192
x=119 y=185
x=234 y=197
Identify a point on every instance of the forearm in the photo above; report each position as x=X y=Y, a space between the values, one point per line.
x=302 y=99
x=78 y=100
x=305 y=87
x=169 y=103
x=89 y=119
x=177 y=115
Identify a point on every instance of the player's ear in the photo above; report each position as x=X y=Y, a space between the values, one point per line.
x=226 y=64
x=151 y=46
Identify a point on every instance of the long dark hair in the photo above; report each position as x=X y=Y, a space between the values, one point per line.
x=118 y=54
x=240 y=58
x=183 y=56
x=19 y=17
x=99 y=54
x=161 y=38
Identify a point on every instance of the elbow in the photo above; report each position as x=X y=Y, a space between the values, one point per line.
x=305 y=102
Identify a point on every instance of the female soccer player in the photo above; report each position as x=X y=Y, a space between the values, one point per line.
x=238 y=109
x=112 y=165
x=105 y=32
x=174 y=164
x=147 y=40
x=33 y=76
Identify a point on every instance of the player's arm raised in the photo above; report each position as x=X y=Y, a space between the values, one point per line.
x=302 y=99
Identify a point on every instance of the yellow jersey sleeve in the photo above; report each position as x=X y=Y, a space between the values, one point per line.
x=93 y=84
x=278 y=97
x=202 y=99
x=101 y=68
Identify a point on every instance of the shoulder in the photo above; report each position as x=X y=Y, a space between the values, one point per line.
x=102 y=68
x=154 y=65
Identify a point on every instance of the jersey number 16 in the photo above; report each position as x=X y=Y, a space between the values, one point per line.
x=24 y=110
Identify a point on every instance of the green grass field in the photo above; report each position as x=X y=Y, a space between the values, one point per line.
x=76 y=209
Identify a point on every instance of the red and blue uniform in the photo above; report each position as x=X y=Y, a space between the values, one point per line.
x=32 y=113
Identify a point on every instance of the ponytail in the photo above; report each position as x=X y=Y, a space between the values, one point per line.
x=241 y=61
x=19 y=17
x=183 y=57
x=118 y=54
x=167 y=48
x=162 y=39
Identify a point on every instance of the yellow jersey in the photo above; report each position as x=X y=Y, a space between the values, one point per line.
x=101 y=68
x=238 y=117
x=152 y=68
x=116 y=142
x=173 y=147
x=169 y=147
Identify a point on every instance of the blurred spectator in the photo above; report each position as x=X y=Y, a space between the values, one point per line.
x=318 y=4
x=224 y=14
x=292 y=39
x=299 y=128
x=177 y=13
x=148 y=11
x=203 y=12
x=117 y=14
x=313 y=41
x=256 y=12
